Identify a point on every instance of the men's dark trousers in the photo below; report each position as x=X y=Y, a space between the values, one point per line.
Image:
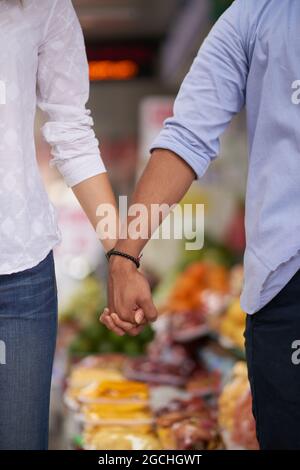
x=273 y=357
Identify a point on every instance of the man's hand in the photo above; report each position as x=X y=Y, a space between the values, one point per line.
x=130 y=304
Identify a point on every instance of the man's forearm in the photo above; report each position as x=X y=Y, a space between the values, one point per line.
x=166 y=179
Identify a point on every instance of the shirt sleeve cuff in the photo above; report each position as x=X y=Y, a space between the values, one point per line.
x=74 y=172
x=199 y=163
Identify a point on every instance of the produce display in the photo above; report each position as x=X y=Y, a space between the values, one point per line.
x=235 y=411
x=243 y=433
x=189 y=325
x=187 y=300
x=125 y=413
x=224 y=314
x=120 y=438
x=89 y=373
x=109 y=391
x=165 y=363
x=119 y=414
x=187 y=425
x=108 y=405
x=158 y=372
x=187 y=293
x=232 y=325
x=116 y=413
x=172 y=395
x=203 y=383
x=113 y=362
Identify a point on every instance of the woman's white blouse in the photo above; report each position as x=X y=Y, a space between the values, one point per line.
x=42 y=63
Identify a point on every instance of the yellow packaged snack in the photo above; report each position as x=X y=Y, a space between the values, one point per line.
x=81 y=377
x=120 y=438
x=126 y=413
x=115 y=391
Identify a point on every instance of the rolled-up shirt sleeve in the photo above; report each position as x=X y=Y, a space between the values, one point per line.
x=212 y=92
x=63 y=91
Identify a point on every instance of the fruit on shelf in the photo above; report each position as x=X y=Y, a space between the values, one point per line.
x=232 y=325
x=190 y=285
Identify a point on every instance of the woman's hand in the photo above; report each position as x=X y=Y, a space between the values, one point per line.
x=114 y=323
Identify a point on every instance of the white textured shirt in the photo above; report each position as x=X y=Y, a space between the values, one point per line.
x=42 y=63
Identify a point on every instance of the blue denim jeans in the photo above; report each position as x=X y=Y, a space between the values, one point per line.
x=28 y=324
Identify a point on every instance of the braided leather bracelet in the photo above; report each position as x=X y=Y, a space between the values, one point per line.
x=114 y=252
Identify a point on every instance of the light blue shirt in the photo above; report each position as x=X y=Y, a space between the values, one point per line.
x=251 y=57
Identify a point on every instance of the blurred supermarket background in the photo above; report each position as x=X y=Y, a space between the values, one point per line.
x=183 y=383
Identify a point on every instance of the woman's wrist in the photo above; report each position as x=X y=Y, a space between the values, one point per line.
x=108 y=244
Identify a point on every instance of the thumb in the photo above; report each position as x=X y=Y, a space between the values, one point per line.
x=149 y=308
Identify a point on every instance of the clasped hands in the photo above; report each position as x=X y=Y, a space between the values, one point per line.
x=130 y=305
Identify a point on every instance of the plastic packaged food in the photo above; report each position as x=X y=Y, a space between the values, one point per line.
x=115 y=392
x=82 y=377
x=204 y=383
x=118 y=413
x=235 y=412
x=187 y=425
x=188 y=326
x=158 y=372
x=120 y=438
x=103 y=361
